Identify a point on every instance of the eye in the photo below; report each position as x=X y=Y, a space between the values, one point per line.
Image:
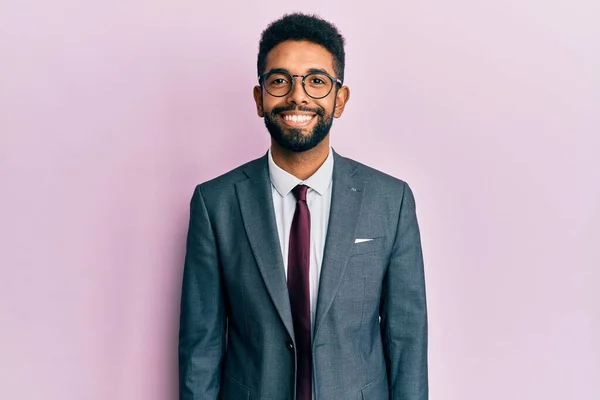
x=317 y=81
x=277 y=80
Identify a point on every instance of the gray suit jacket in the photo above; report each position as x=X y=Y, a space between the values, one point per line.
x=236 y=338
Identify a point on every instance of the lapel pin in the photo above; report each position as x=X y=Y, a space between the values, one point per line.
x=353 y=189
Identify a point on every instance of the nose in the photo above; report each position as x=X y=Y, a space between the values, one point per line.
x=297 y=95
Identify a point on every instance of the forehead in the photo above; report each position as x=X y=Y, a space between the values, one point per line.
x=299 y=56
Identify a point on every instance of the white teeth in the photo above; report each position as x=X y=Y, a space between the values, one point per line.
x=297 y=118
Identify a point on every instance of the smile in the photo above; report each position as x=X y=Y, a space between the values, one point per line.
x=297 y=119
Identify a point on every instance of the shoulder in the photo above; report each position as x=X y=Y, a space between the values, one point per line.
x=384 y=192
x=225 y=183
x=375 y=179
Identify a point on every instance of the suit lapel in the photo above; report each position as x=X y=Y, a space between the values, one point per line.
x=346 y=200
x=256 y=204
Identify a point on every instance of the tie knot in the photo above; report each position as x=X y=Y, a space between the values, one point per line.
x=300 y=192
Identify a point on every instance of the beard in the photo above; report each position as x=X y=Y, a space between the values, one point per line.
x=293 y=139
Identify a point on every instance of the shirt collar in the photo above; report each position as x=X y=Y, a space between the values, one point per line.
x=284 y=182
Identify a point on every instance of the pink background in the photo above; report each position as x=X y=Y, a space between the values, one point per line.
x=112 y=111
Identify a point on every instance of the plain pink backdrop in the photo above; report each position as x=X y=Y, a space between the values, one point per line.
x=112 y=111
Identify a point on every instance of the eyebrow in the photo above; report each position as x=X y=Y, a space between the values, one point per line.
x=309 y=71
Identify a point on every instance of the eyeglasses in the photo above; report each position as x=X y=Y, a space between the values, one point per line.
x=280 y=83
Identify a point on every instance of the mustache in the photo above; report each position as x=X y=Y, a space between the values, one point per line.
x=276 y=110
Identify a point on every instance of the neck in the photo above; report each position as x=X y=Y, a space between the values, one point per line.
x=301 y=165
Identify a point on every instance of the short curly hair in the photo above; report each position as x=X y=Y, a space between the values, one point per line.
x=303 y=27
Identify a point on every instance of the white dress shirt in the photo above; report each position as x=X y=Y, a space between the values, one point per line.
x=318 y=198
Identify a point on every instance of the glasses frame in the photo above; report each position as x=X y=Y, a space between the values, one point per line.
x=334 y=80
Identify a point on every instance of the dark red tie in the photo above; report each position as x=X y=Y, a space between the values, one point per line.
x=298 y=287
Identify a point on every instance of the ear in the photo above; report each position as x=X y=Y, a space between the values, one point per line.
x=341 y=98
x=257 y=92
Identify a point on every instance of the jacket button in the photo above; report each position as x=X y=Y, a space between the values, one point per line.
x=290 y=346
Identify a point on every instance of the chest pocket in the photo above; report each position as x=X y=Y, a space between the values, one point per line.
x=369 y=246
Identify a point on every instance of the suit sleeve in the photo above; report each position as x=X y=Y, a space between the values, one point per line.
x=202 y=314
x=404 y=309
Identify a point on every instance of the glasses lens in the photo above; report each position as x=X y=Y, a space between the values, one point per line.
x=317 y=85
x=278 y=84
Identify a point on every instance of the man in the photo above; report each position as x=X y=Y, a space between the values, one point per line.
x=303 y=276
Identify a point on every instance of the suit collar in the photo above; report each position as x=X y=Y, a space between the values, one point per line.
x=346 y=204
x=256 y=205
x=258 y=215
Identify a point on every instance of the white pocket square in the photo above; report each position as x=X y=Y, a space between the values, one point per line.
x=362 y=240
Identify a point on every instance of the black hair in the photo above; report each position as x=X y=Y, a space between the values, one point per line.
x=303 y=27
